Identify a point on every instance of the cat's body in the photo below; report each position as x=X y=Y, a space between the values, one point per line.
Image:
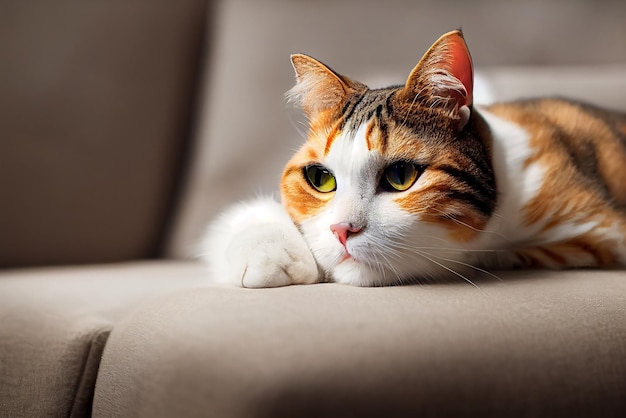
x=415 y=183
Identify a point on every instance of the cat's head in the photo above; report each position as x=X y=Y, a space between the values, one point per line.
x=390 y=183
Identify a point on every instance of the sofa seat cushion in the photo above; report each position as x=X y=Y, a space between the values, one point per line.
x=534 y=344
x=54 y=323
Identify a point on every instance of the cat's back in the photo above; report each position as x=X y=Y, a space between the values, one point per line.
x=574 y=119
x=581 y=146
x=561 y=180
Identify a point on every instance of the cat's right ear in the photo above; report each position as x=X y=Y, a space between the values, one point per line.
x=319 y=89
x=444 y=77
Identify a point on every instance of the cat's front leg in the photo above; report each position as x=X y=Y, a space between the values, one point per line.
x=256 y=244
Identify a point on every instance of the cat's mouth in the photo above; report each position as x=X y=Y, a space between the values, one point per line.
x=346 y=256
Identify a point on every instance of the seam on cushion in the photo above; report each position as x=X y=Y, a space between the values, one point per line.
x=83 y=397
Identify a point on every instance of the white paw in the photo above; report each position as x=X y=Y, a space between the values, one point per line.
x=271 y=255
x=256 y=244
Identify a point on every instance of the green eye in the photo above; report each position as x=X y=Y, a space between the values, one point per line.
x=320 y=178
x=399 y=176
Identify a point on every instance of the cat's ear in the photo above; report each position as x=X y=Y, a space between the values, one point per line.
x=319 y=88
x=444 y=77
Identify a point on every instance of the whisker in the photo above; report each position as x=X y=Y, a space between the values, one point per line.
x=450 y=270
x=380 y=251
x=405 y=243
x=402 y=244
x=468 y=265
x=452 y=218
x=461 y=250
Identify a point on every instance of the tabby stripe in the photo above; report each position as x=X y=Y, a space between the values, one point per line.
x=366 y=116
x=379 y=111
x=477 y=157
x=601 y=256
x=389 y=108
x=484 y=187
x=584 y=156
x=614 y=121
x=475 y=199
x=554 y=256
x=372 y=103
x=384 y=135
x=484 y=206
x=331 y=138
x=348 y=113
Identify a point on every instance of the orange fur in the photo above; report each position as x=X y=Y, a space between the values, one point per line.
x=303 y=200
x=334 y=132
x=558 y=131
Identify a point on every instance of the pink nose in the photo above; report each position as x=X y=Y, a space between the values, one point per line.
x=342 y=231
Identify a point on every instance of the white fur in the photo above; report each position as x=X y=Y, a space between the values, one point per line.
x=516 y=185
x=256 y=244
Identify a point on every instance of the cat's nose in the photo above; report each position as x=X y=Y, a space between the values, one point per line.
x=342 y=231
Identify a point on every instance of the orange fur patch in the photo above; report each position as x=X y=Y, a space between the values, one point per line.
x=303 y=200
x=564 y=193
x=368 y=136
x=559 y=133
x=587 y=250
x=376 y=138
x=334 y=133
x=433 y=206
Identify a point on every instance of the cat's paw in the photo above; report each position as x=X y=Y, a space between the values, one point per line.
x=256 y=244
x=271 y=255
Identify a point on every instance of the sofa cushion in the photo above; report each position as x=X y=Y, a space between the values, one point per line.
x=535 y=344
x=54 y=323
x=94 y=118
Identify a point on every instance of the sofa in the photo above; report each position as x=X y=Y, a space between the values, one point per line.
x=126 y=126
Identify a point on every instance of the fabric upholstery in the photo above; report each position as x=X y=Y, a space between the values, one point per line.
x=535 y=344
x=94 y=117
x=54 y=323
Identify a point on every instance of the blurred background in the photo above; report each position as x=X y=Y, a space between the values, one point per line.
x=126 y=125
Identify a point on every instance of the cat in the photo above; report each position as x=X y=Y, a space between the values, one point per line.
x=413 y=182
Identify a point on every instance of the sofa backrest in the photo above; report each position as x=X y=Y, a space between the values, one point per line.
x=95 y=101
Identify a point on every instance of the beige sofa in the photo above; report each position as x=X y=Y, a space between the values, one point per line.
x=126 y=126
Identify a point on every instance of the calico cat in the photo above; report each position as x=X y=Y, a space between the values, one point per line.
x=414 y=182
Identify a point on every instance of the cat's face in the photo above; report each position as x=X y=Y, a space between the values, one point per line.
x=391 y=183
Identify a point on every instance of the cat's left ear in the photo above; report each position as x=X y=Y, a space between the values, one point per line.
x=319 y=89
x=444 y=77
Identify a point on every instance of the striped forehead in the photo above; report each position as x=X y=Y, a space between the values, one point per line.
x=362 y=120
x=362 y=108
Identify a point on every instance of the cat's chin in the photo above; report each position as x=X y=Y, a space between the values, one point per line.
x=354 y=273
